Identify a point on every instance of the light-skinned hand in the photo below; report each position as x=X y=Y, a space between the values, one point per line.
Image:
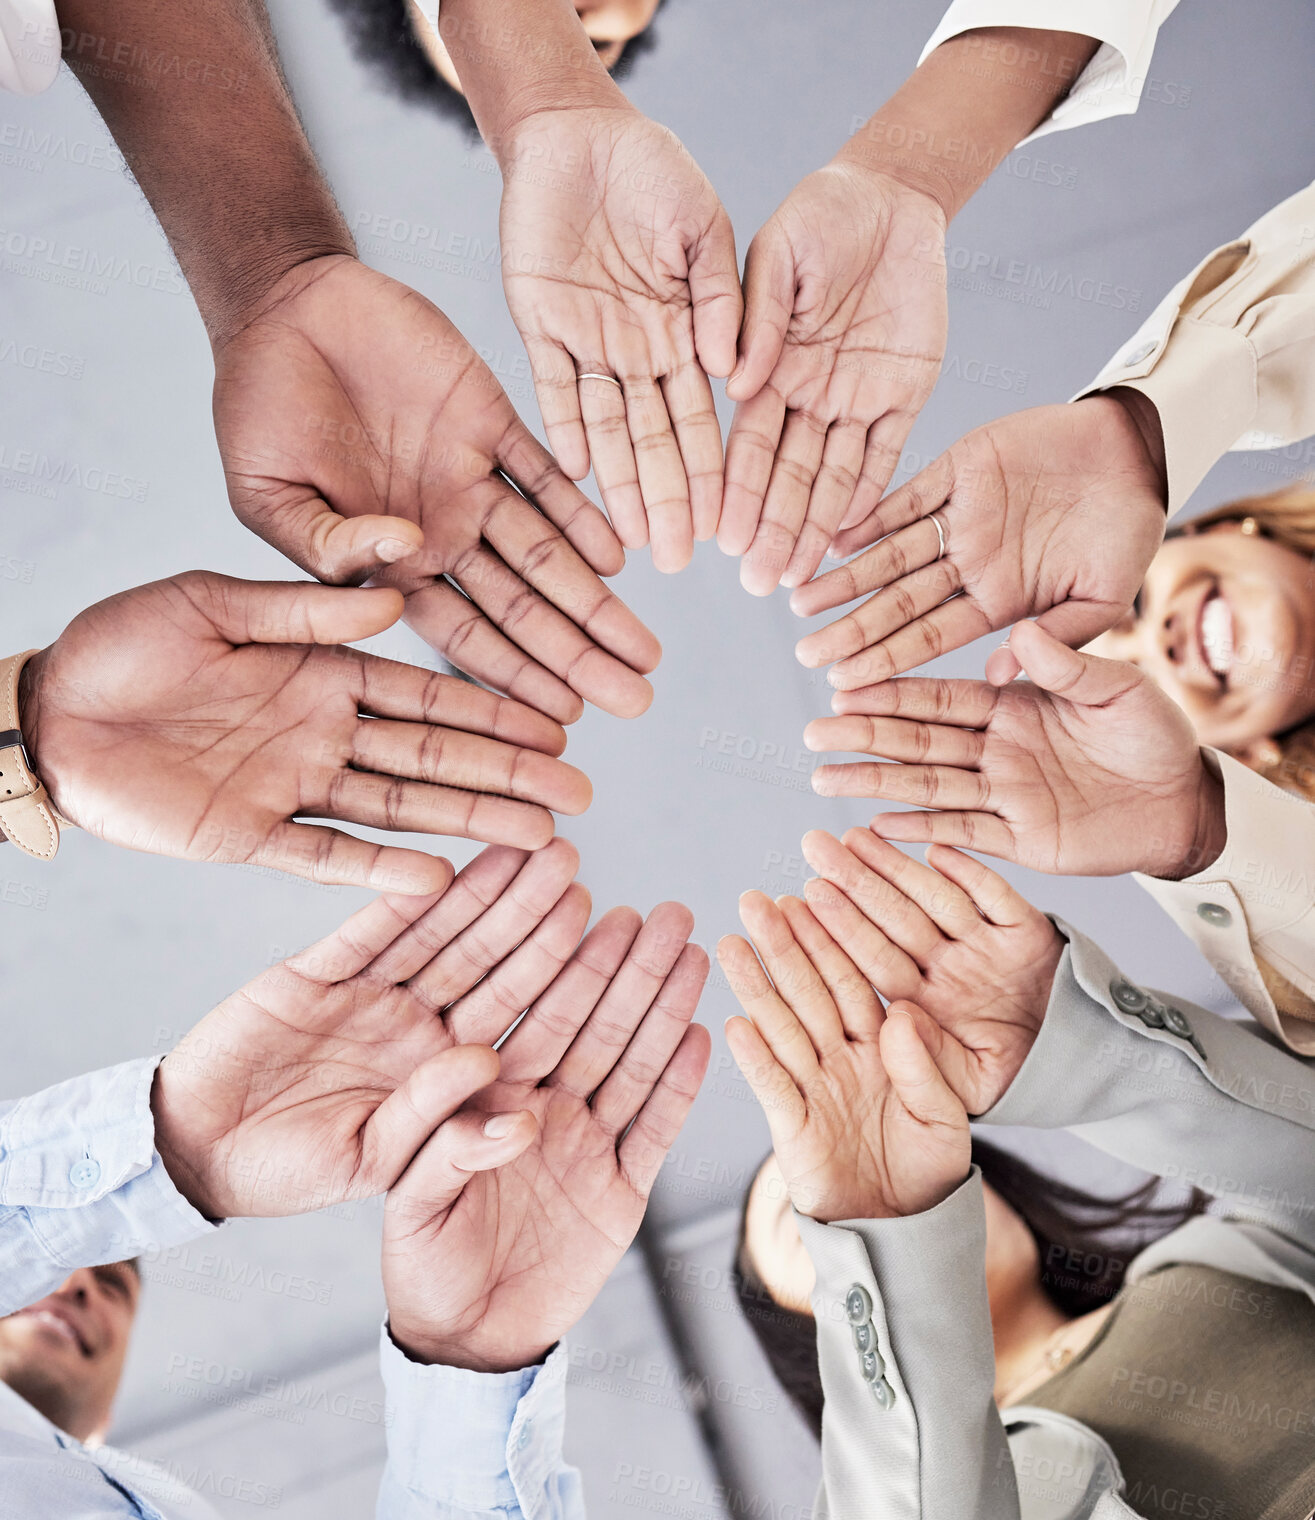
x=843 y=337
x=951 y=936
x=488 y=1272
x=1054 y=512
x=863 y=1124
x=619 y=260
x=1086 y=769
x=323 y=1078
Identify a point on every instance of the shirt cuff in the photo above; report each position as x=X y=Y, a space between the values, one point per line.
x=1256 y=901
x=1112 y=82
x=30 y=46
x=81 y=1182
x=1203 y=379
x=474 y=1441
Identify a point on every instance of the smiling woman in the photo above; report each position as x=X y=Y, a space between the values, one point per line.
x=1225 y=624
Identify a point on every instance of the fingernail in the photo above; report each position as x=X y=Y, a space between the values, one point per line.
x=499 y=1126
x=392 y=549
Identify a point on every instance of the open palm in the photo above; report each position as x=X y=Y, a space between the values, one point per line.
x=1054 y=512
x=321 y=1079
x=202 y=716
x=863 y=1124
x=619 y=260
x=951 y=936
x=349 y=409
x=608 y=1064
x=844 y=332
x=1089 y=769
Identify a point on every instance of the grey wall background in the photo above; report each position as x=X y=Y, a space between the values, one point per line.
x=252 y=1373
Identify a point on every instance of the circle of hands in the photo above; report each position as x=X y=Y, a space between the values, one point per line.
x=363 y=437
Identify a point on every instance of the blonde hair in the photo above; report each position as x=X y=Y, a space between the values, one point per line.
x=1288 y=517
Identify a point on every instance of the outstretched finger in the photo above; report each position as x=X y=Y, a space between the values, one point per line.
x=485 y=1013
x=895 y=739
x=698 y=435
x=755 y=436
x=833 y=490
x=946 y=627
x=767 y=1011
x=927 y=492
x=533 y=1049
x=992 y=895
x=860 y=1009
x=536 y=475
x=884 y=903
x=797 y=980
x=366 y=935
x=504 y=892
x=644 y=1149
x=963 y=704
x=628 y=1085
x=915 y=1076
x=333 y=858
x=468 y=1143
x=984 y=832
x=785 y=506
x=888 y=563
x=559 y=404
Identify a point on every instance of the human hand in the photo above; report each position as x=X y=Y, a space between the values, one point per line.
x=951 y=936
x=863 y=1124
x=487 y=1272
x=619 y=260
x=1089 y=769
x=201 y=716
x=1053 y=512
x=322 y=1078
x=843 y=337
x=361 y=434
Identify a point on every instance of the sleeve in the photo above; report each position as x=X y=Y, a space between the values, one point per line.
x=904 y=1346
x=1172 y=1089
x=81 y=1182
x=429 y=10
x=476 y=1446
x=30 y=45
x=1112 y=83
x=1226 y=356
x=1251 y=913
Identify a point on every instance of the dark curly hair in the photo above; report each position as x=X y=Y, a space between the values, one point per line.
x=1102 y=1235
x=382 y=37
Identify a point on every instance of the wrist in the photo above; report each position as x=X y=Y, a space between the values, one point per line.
x=520 y=66
x=420 y=1345
x=967 y=106
x=185 y=1169
x=1207 y=830
x=1141 y=411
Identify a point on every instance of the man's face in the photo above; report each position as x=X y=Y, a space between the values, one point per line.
x=65 y=1354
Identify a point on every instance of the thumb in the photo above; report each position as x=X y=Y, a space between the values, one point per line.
x=1084 y=679
x=331 y=547
x=769 y=286
x=294 y=612
x=908 y=1036
x=714 y=288
x=468 y=1143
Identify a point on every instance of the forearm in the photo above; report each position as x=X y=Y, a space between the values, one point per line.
x=923 y=1437
x=1171 y=1088
x=193 y=94
x=965 y=109
x=519 y=57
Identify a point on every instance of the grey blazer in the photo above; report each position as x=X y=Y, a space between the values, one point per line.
x=910 y=1429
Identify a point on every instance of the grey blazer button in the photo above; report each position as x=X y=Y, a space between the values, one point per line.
x=858 y=1305
x=1215 y=914
x=1176 y=1023
x=1127 y=997
x=874 y=1366
x=1155 y=1014
x=865 y=1337
x=884 y=1394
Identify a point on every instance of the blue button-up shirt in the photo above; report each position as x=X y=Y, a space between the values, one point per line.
x=81 y=1183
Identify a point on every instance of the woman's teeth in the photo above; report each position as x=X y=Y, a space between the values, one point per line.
x=1217 y=634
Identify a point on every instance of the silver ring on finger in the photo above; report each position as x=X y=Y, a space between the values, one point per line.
x=940 y=534
x=593 y=375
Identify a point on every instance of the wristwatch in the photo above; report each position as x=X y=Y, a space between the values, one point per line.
x=27 y=816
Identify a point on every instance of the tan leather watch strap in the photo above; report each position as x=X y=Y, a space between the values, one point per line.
x=26 y=815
